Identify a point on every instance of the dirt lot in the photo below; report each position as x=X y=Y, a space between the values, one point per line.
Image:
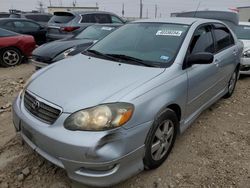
x=213 y=152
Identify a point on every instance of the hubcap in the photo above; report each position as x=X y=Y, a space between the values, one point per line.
x=162 y=140
x=232 y=82
x=11 y=57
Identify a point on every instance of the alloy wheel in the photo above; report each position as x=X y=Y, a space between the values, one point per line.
x=11 y=57
x=162 y=140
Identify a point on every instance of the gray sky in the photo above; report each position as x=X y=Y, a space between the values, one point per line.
x=165 y=7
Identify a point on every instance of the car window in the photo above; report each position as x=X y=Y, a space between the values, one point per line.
x=6 y=33
x=25 y=24
x=9 y=24
x=88 y=18
x=202 y=41
x=243 y=32
x=61 y=17
x=95 y=32
x=156 y=43
x=96 y=18
x=223 y=37
x=3 y=15
x=115 y=19
x=38 y=18
x=102 y=18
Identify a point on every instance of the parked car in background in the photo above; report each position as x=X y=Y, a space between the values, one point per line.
x=4 y=15
x=60 y=49
x=243 y=33
x=228 y=16
x=115 y=109
x=14 y=47
x=25 y=26
x=67 y=24
x=41 y=18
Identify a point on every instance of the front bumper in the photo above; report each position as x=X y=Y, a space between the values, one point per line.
x=38 y=64
x=245 y=66
x=93 y=158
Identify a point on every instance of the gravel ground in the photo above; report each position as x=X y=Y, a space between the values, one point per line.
x=213 y=152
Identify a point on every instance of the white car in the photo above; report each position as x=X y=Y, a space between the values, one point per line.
x=243 y=33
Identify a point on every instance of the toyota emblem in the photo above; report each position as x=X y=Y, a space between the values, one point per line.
x=35 y=105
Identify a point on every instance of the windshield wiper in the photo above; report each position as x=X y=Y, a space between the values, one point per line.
x=133 y=59
x=102 y=54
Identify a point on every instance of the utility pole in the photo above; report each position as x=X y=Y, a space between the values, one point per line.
x=147 y=12
x=156 y=8
x=141 y=9
x=50 y=4
x=41 y=7
x=123 y=11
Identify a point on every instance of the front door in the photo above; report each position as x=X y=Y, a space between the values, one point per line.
x=202 y=78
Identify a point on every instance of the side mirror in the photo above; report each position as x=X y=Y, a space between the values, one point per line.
x=200 y=58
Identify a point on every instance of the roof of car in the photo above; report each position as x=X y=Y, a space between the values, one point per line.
x=176 y=20
x=18 y=19
x=110 y=24
x=88 y=12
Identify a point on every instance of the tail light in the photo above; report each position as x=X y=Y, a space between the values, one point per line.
x=69 y=29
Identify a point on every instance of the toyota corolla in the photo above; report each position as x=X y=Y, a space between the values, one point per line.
x=116 y=109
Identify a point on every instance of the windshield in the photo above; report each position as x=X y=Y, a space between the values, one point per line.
x=243 y=32
x=95 y=32
x=154 y=43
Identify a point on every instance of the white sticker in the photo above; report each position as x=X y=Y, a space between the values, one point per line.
x=169 y=33
x=164 y=58
x=107 y=28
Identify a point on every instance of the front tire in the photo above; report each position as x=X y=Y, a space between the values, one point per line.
x=232 y=83
x=10 y=57
x=161 y=139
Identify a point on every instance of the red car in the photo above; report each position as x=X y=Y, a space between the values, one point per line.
x=14 y=47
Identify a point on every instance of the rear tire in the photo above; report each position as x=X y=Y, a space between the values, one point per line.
x=160 y=139
x=232 y=83
x=10 y=57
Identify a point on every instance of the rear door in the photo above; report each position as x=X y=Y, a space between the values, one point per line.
x=202 y=78
x=226 y=52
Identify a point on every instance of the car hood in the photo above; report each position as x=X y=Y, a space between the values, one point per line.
x=246 y=44
x=80 y=82
x=52 y=49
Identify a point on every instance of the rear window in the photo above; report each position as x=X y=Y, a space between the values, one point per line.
x=62 y=17
x=6 y=33
x=243 y=32
x=39 y=18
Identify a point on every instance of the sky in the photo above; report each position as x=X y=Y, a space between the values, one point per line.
x=165 y=7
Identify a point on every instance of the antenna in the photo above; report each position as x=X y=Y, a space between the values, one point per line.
x=197 y=8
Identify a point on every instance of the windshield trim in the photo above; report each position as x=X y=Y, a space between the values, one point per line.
x=156 y=64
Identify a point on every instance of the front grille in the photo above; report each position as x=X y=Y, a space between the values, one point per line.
x=40 y=110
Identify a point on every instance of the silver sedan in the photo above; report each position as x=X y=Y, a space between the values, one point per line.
x=116 y=109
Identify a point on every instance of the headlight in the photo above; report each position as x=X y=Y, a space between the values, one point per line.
x=64 y=54
x=246 y=53
x=99 y=118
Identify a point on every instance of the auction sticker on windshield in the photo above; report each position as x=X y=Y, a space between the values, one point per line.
x=169 y=33
x=107 y=28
